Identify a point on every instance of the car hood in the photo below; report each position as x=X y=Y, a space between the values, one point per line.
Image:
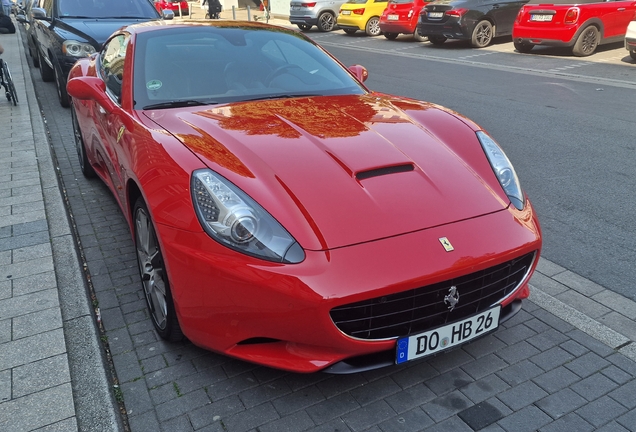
x=93 y=30
x=342 y=170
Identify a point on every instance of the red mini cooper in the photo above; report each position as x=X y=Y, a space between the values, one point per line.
x=176 y=6
x=582 y=25
x=401 y=16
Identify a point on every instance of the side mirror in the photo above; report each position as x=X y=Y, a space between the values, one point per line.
x=38 y=13
x=360 y=72
x=21 y=18
x=90 y=88
x=167 y=14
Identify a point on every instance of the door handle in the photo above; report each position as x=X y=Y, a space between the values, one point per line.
x=621 y=9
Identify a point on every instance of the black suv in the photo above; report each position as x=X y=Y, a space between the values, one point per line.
x=66 y=30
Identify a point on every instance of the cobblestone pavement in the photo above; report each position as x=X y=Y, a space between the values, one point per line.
x=546 y=369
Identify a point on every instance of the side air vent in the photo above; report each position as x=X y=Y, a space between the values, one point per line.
x=362 y=175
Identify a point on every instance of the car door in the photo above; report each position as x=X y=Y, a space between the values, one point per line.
x=619 y=16
x=42 y=32
x=113 y=134
x=504 y=13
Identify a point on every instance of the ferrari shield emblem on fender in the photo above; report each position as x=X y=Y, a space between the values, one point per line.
x=452 y=298
x=447 y=245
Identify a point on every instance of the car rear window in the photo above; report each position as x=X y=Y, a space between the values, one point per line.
x=107 y=9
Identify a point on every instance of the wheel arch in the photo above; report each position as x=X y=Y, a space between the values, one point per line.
x=596 y=22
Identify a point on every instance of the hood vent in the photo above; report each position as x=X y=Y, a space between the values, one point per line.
x=362 y=175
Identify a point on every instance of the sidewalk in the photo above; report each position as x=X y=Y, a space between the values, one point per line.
x=53 y=376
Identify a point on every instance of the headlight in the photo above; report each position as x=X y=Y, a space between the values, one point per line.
x=503 y=169
x=77 y=49
x=235 y=220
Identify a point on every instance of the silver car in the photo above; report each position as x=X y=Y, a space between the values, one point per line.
x=630 y=40
x=321 y=13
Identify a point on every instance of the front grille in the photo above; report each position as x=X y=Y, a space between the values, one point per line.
x=421 y=309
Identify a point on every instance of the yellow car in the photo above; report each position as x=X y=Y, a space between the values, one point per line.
x=361 y=15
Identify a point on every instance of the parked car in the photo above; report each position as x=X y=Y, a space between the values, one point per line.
x=582 y=25
x=362 y=15
x=401 y=16
x=321 y=13
x=177 y=7
x=286 y=215
x=26 y=17
x=478 y=21
x=630 y=40
x=66 y=30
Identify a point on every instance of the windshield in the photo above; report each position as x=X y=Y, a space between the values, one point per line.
x=401 y=1
x=107 y=9
x=357 y=1
x=215 y=65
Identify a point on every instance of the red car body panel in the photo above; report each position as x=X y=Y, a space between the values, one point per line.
x=360 y=237
x=401 y=17
x=173 y=6
x=611 y=18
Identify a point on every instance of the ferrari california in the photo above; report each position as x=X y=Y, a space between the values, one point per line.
x=286 y=215
x=582 y=25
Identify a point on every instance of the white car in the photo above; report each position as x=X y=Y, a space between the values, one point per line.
x=630 y=40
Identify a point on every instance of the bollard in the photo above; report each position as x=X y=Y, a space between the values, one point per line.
x=233 y=13
x=249 y=14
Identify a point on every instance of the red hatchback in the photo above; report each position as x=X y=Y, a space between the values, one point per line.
x=401 y=16
x=583 y=25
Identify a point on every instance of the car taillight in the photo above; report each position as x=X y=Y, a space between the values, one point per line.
x=571 y=16
x=358 y=11
x=309 y=5
x=456 y=12
x=520 y=14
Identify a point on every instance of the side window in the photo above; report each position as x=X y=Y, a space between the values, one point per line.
x=111 y=64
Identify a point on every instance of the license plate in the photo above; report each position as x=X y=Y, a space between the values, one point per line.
x=435 y=14
x=295 y=7
x=543 y=18
x=346 y=12
x=392 y=17
x=448 y=336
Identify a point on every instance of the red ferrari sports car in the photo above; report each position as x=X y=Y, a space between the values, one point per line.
x=400 y=17
x=177 y=7
x=582 y=25
x=286 y=215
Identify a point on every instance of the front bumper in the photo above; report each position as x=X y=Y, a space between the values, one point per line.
x=279 y=315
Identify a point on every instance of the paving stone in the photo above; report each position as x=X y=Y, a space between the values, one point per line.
x=181 y=424
x=623 y=363
x=556 y=379
x=32 y=252
x=410 y=398
x=182 y=405
x=375 y=390
x=628 y=420
x=136 y=397
x=620 y=323
x=520 y=372
x=578 y=283
x=561 y=403
x=339 y=384
x=247 y=420
x=449 y=381
x=515 y=334
x=522 y=395
x=548 y=339
x=169 y=374
x=144 y=422
x=552 y=358
x=484 y=388
x=481 y=415
x=601 y=411
x=39 y=409
x=344 y=403
x=31 y=349
x=450 y=360
x=263 y=393
x=616 y=302
x=40 y=375
x=547 y=284
x=367 y=416
x=568 y=423
x=617 y=375
x=517 y=352
x=298 y=400
x=584 y=304
x=232 y=386
x=414 y=420
x=590 y=343
x=574 y=348
x=625 y=395
x=453 y=424
x=484 y=346
x=613 y=427
x=594 y=386
x=216 y=411
x=484 y=366
x=5 y=386
x=296 y=422
x=334 y=425
x=587 y=364
x=418 y=373
x=445 y=406
x=204 y=379
x=529 y=419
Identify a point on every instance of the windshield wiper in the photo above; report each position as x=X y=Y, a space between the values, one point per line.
x=280 y=96
x=126 y=17
x=179 y=103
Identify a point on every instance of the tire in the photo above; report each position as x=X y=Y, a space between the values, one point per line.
x=373 y=27
x=437 y=40
x=60 y=83
x=587 y=42
x=326 y=22
x=482 y=34
x=350 y=31
x=304 y=27
x=418 y=37
x=153 y=275
x=632 y=54
x=523 y=47
x=391 y=36
x=34 y=56
x=46 y=71
x=80 y=148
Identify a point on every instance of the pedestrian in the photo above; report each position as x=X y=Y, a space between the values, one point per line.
x=214 y=8
x=6 y=7
x=6 y=25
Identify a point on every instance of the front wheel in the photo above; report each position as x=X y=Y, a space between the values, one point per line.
x=153 y=275
x=587 y=42
x=523 y=47
x=60 y=83
x=391 y=36
x=80 y=148
x=373 y=27
x=482 y=34
x=437 y=40
x=326 y=22
x=46 y=71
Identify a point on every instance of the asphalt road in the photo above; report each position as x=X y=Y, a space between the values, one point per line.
x=565 y=122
